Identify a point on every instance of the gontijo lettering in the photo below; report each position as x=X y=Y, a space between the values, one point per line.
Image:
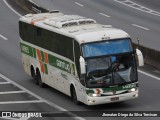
x=63 y=65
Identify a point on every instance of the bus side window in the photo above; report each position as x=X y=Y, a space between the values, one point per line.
x=25 y=27
x=39 y=32
x=21 y=30
x=77 y=54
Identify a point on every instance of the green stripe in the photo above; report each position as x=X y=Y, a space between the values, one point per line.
x=42 y=56
x=111 y=89
x=59 y=63
x=53 y=61
x=34 y=52
x=27 y=50
x=46 y=68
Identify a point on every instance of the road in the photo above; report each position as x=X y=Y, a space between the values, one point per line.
x=121 y=16
x=135 y=22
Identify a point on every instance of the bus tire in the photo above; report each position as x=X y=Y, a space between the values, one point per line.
x=39 y=79
x=74 y=96
x=33 y=75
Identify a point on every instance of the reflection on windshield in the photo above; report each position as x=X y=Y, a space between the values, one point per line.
x=110 y=71
x=107 y=48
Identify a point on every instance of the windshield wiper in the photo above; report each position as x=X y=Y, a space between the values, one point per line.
x=99 y=72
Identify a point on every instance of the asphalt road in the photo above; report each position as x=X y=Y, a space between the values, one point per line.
x=121 y=17
x=153 y=4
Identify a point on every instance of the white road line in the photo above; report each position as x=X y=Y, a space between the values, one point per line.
x=12 y=8
x=147 y=74
x=23 y=118
x=20 y=102
x=41 y=99
x=144 y=28
x=104 y=15
x=3 y=83
x=12 y=92
x=79 y=4
x=3 y=37
x=136 y=6
x=3 y=118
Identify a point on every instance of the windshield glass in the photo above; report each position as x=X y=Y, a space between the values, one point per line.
x=110 y=71
x=107 y=48
x=109 y=63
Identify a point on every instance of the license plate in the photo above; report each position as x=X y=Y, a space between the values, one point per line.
x=115 y=99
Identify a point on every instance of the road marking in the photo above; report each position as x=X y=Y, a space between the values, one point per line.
x=12 y=8
x=147 y=74
x=144 y=28
x=79 y=4
x=136 y=6
x=3 y=118
x=23 y=118
x=3 y=83
x=41 y=99
x=3 y=37
x=11 y=92
x=20 y=102
x=104 y=15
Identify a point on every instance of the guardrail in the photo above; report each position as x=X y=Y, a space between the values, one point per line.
x=30 y=6
x=151 y=56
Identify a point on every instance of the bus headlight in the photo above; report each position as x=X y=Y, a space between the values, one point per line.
x=94 y=95
x=132 y=90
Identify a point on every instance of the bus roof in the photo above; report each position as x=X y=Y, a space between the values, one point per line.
x=80 y=28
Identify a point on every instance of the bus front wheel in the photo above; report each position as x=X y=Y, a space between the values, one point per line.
x=74 y=96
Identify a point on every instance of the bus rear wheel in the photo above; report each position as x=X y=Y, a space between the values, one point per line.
x=39 y=80
x=33 y=74
x=74 y=96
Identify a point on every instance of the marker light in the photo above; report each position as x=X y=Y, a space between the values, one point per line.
x=132 y=90
x=94 y=95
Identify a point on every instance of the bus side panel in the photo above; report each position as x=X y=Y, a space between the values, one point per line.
x=25 y=62
x=53 y=73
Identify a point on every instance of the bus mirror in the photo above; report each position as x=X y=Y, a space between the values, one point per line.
x=140 y=57
x=82 y=65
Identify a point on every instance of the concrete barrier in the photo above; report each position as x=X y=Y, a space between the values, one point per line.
x=30 y=6
x=151 y=56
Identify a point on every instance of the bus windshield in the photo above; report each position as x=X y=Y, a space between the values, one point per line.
x=112 y=66
x=107 y=48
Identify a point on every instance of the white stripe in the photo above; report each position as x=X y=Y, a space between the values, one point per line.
x=40 y=98
x=3 y=37
x=19 y=102
x=3 y=118
x=140 y=27
x=23 y=118
x=152 y=76
x=34 y=3
x=104 y=15
x=79 y=4
x=2 y=83
x=140 y=7
x=11 y=92
x=12 y=8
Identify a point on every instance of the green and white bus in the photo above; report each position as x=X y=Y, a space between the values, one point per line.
x=92 y=63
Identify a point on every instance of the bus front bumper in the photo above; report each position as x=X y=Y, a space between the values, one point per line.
x=111 y=99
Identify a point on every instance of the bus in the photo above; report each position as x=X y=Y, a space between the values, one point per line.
x=90 y=62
